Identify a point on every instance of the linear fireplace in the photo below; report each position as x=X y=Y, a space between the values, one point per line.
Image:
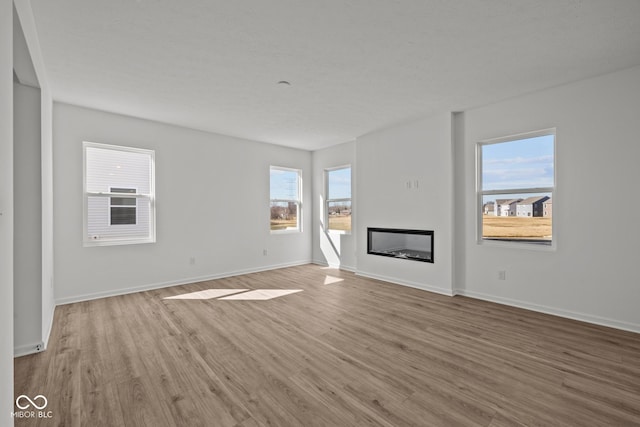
x=416 y=245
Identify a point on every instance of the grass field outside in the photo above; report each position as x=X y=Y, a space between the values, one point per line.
x=284 y=224
x=513 y=227
x=492 y=226
x=336 y=222
x=340 y=222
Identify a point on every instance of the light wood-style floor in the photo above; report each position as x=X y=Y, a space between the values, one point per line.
x=346 y=351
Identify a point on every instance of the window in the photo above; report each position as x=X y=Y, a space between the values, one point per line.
x=286 y=199
x=338 y=203
x=119 y=202
x=122 y=210
x=516 y=181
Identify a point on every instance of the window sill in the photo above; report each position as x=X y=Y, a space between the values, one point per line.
x=519 y=244
x=286 y=231
x=91 y=243
x=339 y=232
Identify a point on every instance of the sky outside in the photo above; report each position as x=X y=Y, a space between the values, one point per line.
x=525 y=163
x=284 y=184
x=339 y=183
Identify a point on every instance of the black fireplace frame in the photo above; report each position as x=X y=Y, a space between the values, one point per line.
x=371 y=251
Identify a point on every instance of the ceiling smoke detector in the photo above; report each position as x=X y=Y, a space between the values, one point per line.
x=284 y=83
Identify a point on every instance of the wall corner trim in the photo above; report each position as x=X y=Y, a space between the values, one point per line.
x=46 y=334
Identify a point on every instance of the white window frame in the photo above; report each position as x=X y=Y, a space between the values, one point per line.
x=533 y=190
x=328 y=200
x=298 y=201
x=151 y=238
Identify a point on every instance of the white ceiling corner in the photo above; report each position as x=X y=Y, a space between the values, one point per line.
x=23 y=68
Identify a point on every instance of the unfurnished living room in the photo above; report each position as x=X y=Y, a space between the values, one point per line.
x=330 y=213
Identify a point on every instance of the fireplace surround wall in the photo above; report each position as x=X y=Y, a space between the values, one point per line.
x=415 y=245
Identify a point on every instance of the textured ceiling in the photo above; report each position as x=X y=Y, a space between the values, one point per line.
x=354 y=66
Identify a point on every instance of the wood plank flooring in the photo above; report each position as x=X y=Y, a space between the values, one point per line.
x=346 y=351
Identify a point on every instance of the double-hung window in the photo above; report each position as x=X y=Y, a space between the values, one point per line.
x=516 y=182
x=119 y=200
x=285 y=199
x=338 y=199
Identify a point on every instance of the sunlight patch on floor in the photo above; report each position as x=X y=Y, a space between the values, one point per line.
x=261 y=294
x=208 y=294
x=236 y=294
x=329 y=280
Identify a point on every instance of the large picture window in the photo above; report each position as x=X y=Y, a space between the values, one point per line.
x=119 y=201
x=286 y=199
x=338 y=201
x=516 y=182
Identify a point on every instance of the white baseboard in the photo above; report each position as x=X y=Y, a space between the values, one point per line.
x=184 y=281
x=422 y=286
x=26 y=349
x=338 y=266
x=588 y=318
x=347 y=268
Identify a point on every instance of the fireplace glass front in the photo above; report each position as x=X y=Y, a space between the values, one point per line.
x=416 y=245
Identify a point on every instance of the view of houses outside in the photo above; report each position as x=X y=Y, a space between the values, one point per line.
x=518 y=218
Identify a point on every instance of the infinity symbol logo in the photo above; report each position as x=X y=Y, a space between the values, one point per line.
x=22 y=398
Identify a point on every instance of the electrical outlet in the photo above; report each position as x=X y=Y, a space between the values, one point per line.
x=265 y=252
x=192 y=260
x=502 y=275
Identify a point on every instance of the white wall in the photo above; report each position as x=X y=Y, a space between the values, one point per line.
x=212 y=195
x=593 y=274
x=333 y=248
x=28 y=222
x=390 y=163
x=6 y=213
